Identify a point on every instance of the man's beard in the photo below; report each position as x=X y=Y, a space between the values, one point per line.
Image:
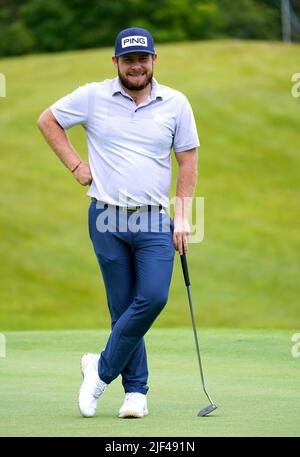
x=131 y=86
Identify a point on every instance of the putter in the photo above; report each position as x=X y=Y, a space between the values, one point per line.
x=212 y=406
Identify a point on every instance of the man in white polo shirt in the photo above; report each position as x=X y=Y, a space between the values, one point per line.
x=131 y=123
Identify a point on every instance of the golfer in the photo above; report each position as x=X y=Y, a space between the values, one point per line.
x=132 y=123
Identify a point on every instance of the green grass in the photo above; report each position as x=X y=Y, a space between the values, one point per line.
x=250 y=374
x=246 y=271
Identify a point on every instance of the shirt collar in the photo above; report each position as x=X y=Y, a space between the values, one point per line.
x=117 y=88
x=156 y=91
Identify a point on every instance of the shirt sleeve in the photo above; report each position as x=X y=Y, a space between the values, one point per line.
x=73 y=108
x=186 y=136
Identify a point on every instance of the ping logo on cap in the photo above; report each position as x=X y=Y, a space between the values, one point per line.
x=134 y=41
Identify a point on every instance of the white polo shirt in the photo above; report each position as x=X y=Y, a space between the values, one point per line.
x=129 y=146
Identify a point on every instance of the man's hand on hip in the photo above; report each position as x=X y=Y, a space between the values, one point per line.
x=83 y=174
x=181 y=235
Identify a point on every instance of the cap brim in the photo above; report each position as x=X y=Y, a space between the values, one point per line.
x=134 y=50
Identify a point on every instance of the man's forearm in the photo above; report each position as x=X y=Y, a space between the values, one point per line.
x=185 y=188
x=58 y=140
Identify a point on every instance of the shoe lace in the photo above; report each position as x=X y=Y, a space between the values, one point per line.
x=132 y=396
x=99 y=389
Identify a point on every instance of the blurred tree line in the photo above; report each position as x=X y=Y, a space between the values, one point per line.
x=28 y=26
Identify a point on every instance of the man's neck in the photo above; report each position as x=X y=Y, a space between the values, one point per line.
x=139 y=96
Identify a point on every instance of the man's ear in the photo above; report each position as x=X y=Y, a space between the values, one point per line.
x=115 y=61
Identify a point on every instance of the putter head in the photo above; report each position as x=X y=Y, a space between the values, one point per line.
x=207 y=410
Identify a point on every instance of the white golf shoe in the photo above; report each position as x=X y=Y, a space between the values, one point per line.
x=92 y=386
x=135 y=405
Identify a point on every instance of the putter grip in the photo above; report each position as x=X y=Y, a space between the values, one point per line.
x=185 y=269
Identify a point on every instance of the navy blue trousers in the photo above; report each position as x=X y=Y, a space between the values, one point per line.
x=135 y=252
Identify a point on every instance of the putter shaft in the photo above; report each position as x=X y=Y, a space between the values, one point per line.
x=197 y=344
x=212 y=406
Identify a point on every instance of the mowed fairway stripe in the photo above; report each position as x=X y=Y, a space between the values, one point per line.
x=250 y=374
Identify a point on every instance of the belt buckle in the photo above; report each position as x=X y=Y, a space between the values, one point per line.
x=131 y=208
